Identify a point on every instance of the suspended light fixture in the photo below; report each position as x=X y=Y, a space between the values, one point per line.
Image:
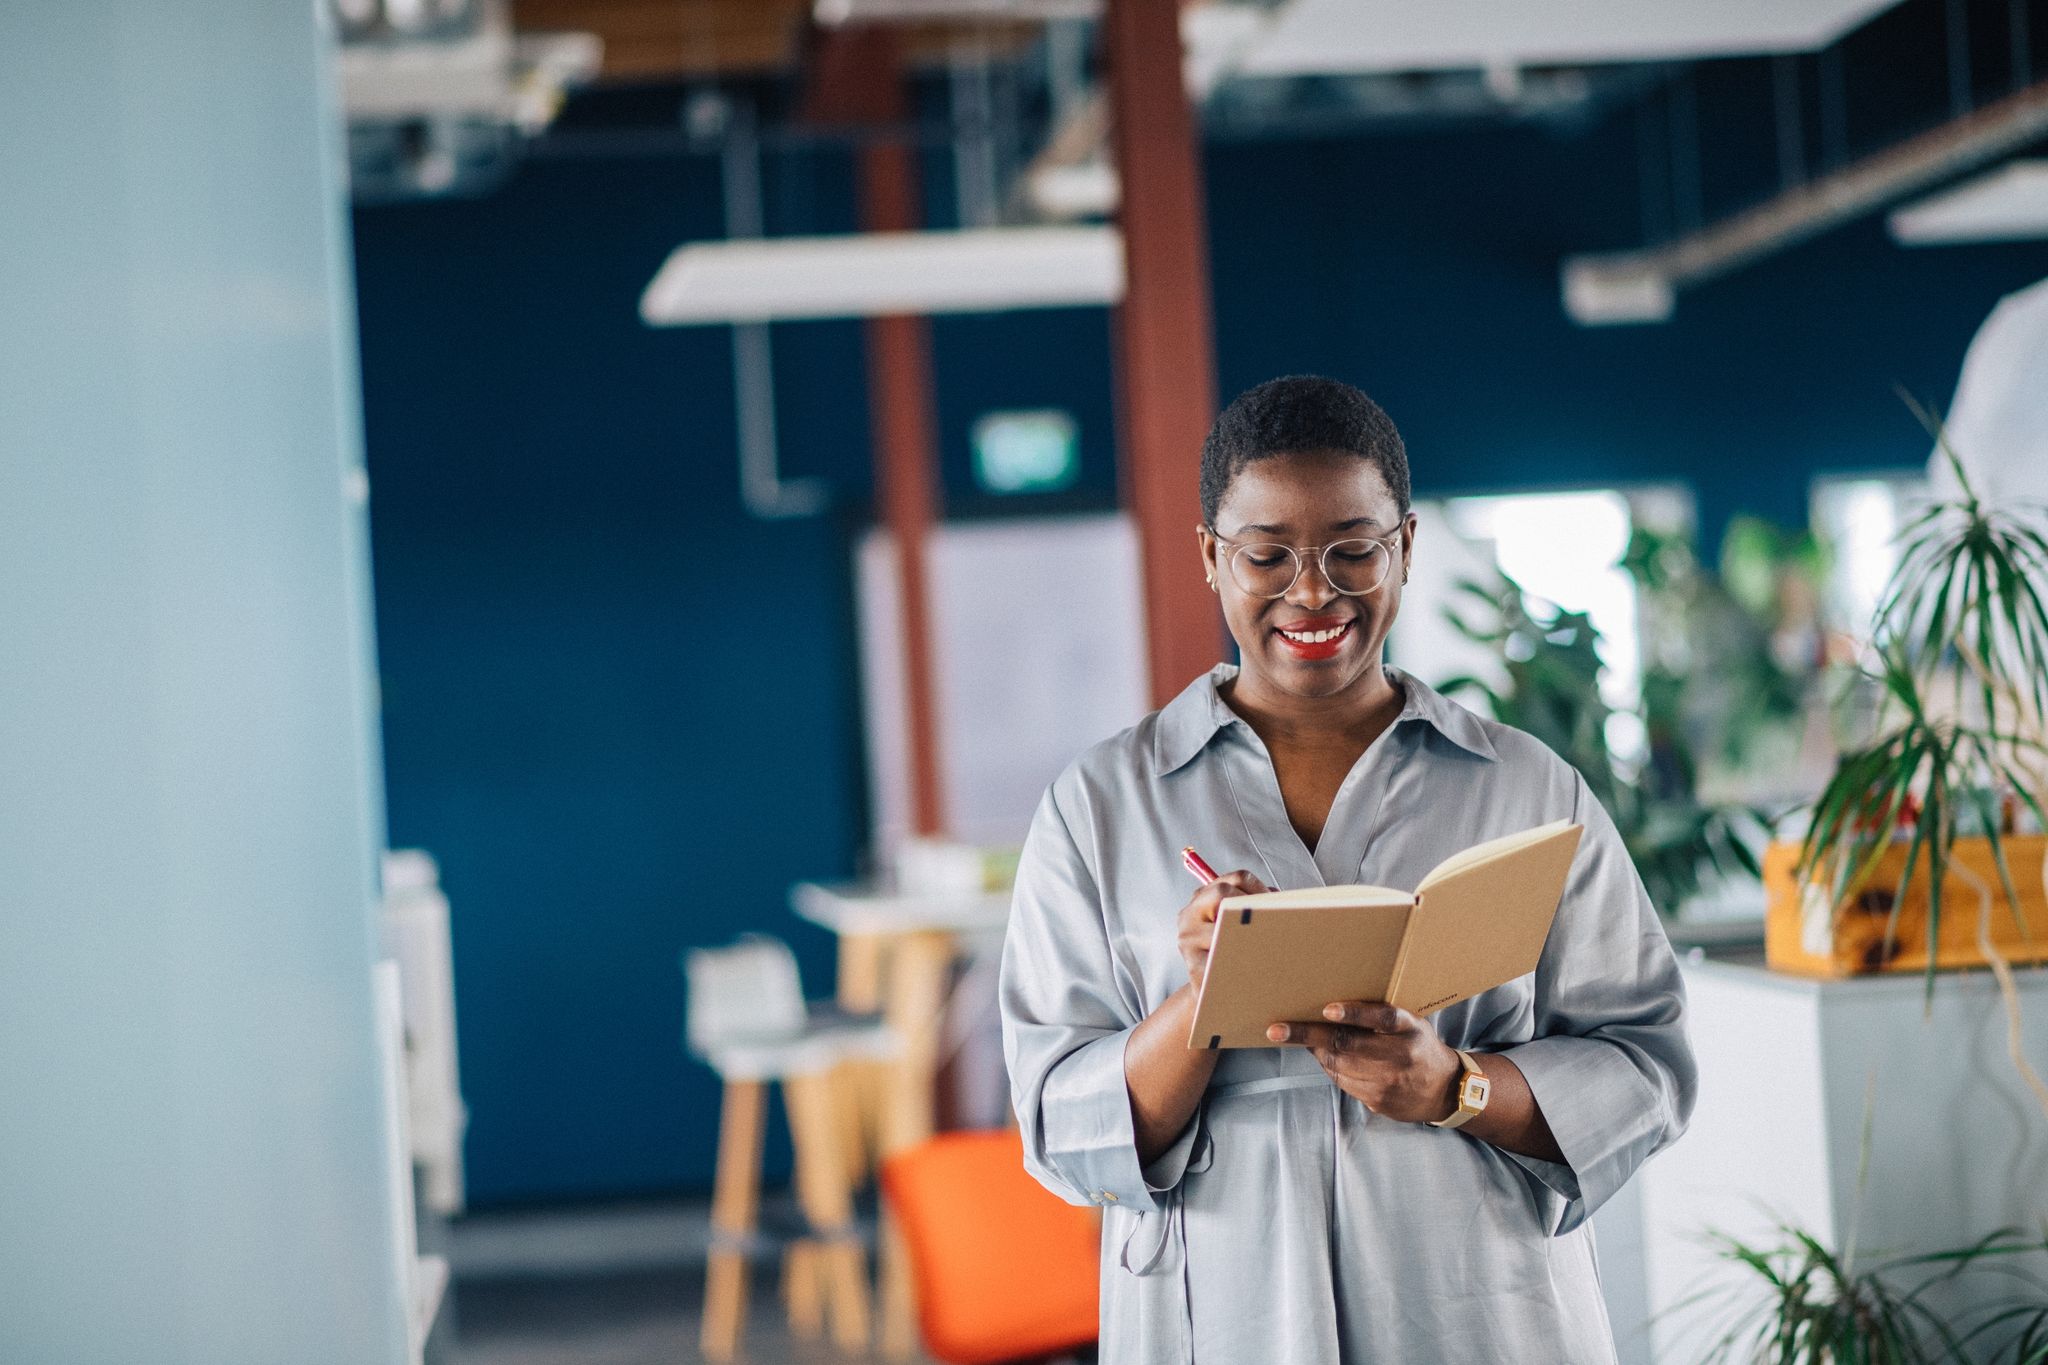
x=975 y=270
x=833 y=13
x=2009 y=204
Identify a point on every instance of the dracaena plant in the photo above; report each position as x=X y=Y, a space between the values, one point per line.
x=1961 y=674
x=1799 y=1302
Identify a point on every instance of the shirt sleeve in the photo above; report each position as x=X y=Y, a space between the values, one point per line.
x=1609 y=1066
x=1064 y=1031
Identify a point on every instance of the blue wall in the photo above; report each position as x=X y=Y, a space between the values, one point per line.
x=624 y=715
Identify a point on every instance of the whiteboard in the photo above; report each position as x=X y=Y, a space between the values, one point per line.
x=1038 y=649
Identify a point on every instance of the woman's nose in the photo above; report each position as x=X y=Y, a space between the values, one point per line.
x=1312 y=588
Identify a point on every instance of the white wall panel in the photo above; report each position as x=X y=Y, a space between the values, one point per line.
x=191 y=1169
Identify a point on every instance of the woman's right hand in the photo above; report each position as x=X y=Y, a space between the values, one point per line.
x=1198 y=919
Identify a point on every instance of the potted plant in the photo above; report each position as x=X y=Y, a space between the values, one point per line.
x=1548 y=659
x=1930 y=806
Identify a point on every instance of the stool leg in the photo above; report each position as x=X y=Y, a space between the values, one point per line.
x=801 y=1294
x=735 y=1201
x=863 y=969
x=852 y=1082
x=860 y=973
x=827 y=1199
x=919 y=974
x=898 y=1294
x=918 y=984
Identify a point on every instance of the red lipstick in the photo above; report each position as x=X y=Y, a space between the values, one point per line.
x=1321 y=649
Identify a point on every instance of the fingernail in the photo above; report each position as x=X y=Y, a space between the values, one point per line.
x=1333 y=1011
x=1277 y=1033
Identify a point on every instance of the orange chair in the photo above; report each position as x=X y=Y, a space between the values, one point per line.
x=1005 y=1271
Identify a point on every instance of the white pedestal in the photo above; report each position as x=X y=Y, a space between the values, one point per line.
x=1958 y=1146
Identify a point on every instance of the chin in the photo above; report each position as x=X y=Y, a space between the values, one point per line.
x=1317 y=680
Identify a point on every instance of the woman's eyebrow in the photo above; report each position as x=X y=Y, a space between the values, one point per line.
x=1266 y=528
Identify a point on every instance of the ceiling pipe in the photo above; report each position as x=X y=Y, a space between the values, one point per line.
x=763 y=490
x=1642 y=285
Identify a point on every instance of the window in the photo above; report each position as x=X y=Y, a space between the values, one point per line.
x=1563 y=546
x=1860 y=517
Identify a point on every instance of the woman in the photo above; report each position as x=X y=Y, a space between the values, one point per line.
x=1298 y=1205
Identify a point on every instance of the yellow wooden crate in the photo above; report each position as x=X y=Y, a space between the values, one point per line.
x=1802 y=935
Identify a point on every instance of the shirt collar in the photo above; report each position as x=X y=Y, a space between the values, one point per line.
x=1188 y=722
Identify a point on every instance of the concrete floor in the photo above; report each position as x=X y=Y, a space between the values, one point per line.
x=630 y=1318
x=610 y=1285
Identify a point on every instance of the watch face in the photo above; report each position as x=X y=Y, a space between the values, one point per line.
x=1476 y=1090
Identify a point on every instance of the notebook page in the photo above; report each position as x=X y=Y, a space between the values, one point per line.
x=1484 y=924
x=1492 y=848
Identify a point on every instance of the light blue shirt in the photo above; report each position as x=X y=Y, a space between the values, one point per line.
x=1288 y=1224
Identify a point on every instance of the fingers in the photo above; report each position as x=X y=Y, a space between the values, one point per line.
x=1371 y=1014
x=1324 y=1037
x=1347 y=1038
x=1238 y=883
x=1205 y=902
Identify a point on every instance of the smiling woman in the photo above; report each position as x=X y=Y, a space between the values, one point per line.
x=1312 y=1203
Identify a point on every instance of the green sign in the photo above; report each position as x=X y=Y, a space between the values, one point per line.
x=1026 y=452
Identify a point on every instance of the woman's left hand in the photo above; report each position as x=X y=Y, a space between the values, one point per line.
x=1387 y=1059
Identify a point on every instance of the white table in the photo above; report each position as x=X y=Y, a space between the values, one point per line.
x=869 y=908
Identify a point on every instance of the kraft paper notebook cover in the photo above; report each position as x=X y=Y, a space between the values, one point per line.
x=1478 y=920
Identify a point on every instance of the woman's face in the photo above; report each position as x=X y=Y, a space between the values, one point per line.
x=1308 y=500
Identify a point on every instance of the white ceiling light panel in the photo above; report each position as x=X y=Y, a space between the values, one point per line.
x=2008 y=204
x=1310 y=37
x=832 y=13
x=977 y=270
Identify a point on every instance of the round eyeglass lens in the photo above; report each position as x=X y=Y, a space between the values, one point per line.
x=1354 y=567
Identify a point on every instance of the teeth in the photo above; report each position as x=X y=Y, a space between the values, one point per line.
x=1315 y=637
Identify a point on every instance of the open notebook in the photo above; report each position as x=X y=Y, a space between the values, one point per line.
x=1479 y=920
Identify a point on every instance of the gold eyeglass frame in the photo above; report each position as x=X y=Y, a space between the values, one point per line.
x=1300 y=553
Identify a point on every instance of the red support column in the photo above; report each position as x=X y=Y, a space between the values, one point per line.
x=1166 y=363
x=906 y=447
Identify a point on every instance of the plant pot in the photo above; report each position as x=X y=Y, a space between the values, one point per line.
x=1802 y=936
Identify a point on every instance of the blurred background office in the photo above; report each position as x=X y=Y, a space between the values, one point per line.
x=536 y=535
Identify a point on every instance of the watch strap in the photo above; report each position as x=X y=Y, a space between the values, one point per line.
x=1468 y=1108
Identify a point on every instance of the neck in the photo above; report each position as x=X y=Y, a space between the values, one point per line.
x=1362 y=708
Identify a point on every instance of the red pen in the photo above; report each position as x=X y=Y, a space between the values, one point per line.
x=1192 y=861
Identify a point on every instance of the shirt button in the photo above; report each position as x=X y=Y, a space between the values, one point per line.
x=1108 y=1198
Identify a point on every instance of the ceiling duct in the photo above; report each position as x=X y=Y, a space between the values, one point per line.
x=441 y=94
x=1641 y=286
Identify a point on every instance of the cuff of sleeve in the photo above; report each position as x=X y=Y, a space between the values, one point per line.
x=1557 y=1178
x=1164 y=1171
x=1598 y=1109
x=1089 y=1136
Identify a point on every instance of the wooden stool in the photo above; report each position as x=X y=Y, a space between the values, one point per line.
x=748 y=1021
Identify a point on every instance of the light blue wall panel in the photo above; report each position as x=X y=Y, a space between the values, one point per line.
x=191 y=1160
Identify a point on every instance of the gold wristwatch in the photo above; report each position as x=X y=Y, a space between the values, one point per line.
x=1473 y=1091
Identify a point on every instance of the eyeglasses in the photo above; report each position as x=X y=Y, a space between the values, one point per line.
x=1353 y=567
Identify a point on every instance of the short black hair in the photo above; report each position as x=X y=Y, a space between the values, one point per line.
x=1298 y=414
